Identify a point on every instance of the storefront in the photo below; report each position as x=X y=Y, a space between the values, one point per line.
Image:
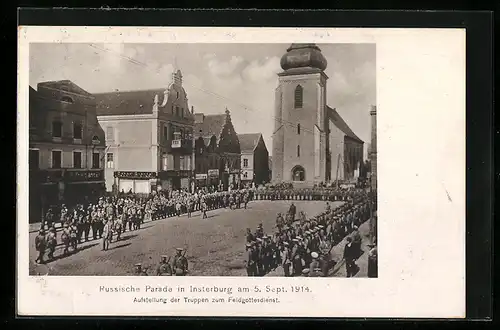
x=82 y=186
x=213 y=178
x=175 y=179
x=136 y=182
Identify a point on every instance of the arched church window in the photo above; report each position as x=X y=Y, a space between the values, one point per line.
x=298 y=129
x=298 y=96
x=298 y=151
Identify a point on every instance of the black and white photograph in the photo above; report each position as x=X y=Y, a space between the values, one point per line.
x=260 y=169
x=203 y=159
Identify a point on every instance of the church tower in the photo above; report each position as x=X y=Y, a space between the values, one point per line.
x=300 y=132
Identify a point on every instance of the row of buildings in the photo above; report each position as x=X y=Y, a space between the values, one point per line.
x=83 y=144
x=142 y=141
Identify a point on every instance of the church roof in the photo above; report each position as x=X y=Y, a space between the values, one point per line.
x=209 y=125
x=248 y=142
x=341 y=124
x=127 y=102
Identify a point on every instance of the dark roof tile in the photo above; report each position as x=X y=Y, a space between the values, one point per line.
x=248 y=142
x=341 y=124
x=127 y=103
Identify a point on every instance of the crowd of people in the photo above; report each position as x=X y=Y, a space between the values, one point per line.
x=299 y=245
x=108 y=218
x=302 y=246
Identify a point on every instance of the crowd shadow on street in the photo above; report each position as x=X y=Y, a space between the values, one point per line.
x=114 y=247
x=62 y=255
x=126 y=238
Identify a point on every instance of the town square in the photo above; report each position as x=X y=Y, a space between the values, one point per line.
x=164 y=169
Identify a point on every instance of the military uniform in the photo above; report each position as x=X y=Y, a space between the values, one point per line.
x=249 y=260
x=164 y=268
x=139 y=271
x=180 y=264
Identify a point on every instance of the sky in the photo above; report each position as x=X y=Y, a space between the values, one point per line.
x=241 y=77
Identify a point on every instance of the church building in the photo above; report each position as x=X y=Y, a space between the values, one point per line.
x=311 y=141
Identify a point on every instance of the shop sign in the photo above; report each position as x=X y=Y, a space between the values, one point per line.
x=201 y=176
x=176 y=143
x=175 y=174
x=81 y=176
x=135 y=175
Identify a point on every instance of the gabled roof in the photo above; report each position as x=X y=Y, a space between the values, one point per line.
x=248 y=142
x=66 y=85
x=211 y=125
x=341 y=124
x=127 y=102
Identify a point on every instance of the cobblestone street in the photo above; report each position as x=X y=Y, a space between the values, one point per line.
x=215 y=246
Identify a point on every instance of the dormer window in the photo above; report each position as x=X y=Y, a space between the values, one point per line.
x=67 y=99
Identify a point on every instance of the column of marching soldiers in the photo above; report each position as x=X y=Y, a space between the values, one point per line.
x=302 y=247
x=107 y=218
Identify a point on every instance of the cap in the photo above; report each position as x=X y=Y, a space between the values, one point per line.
x=321 y=227
x=294 y=240
x=259 y=239
x=285 y=243
x=248 y=245
x=314 y=255
x=179 y=249
x=164 y=256
x=305 y=271
x=138 y=264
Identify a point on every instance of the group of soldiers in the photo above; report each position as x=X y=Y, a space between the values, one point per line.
x=315 y=194
x=177 y=267
x=182 y=202
x=109 y=217
x=104 y=218
x=302 y=246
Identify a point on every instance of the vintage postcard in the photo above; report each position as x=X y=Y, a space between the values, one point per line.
x=241 y=172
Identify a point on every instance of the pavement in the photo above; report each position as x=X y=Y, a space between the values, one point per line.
x=215 y=246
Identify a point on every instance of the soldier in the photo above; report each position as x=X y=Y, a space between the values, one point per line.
x=250 y=236
x=350 y=257
x=260 y=231
x=296 y=258
x=372 y=261
x=51 y=242
x=249 y=260
x=245 y=200
x=65 y=238
x=259 y=257
x=106 y=235
x=292 y=211
x=204 y=209
x=356 y=241
x=40 y=244
x=139 y=271
x=286 y=259
x=279 y=222
x=164 y=268
x=73 y=238
x=314 y=266
x=180 y=263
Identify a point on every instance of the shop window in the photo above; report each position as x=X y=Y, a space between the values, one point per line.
x=77 y=159
x=56 y=158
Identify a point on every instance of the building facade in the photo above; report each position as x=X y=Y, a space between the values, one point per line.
x=217 y=151
x=254 y=159
x=66 y=146
x=309 y=137
x=149 y=134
